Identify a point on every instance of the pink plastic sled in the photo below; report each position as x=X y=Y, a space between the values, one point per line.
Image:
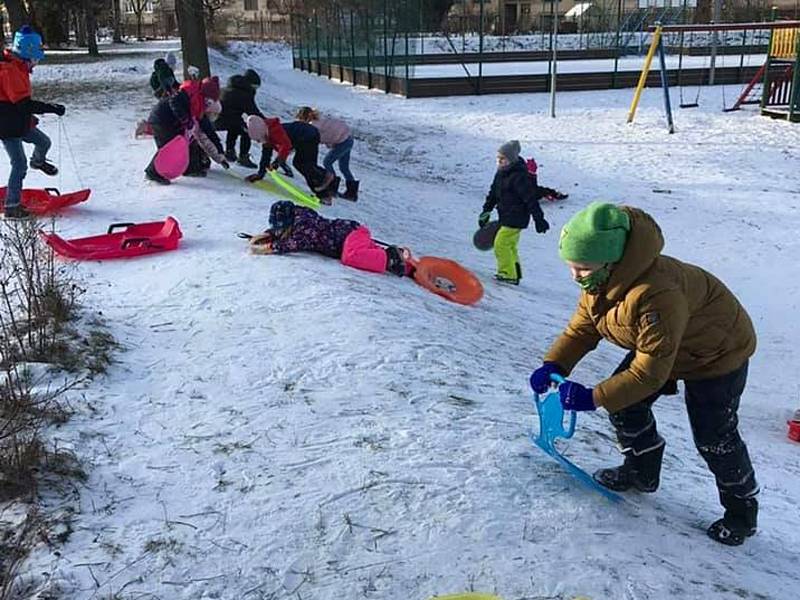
x=135 y=240
x=173 y=157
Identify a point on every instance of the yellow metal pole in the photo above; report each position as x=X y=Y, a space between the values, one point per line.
x=645 y=71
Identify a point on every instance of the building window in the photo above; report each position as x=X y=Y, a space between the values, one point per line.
x=251 y=4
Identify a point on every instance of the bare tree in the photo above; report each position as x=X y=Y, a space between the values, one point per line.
x=17 y=13
x=116 y=21
x=139 y=7
x=211 y=8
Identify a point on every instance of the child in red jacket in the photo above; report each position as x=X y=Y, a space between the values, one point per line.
x=17 y=123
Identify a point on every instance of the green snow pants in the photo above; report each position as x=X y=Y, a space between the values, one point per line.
x=505 y=250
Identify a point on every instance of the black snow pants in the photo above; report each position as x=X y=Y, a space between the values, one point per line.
x=712 y=405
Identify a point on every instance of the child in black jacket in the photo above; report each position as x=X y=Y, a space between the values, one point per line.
x=239 y=99
x=514 y=195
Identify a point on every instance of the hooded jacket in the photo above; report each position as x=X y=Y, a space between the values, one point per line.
x=238 y=98
x=514 y=195
x=681 y=321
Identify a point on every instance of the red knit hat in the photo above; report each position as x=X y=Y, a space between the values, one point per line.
x=209 y=87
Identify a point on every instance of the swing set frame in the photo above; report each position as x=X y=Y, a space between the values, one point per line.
x=657 y=45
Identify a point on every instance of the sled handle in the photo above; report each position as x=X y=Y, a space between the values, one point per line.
x=52 y=189
x=135 y=242
x=573 y=416
x=114 y=226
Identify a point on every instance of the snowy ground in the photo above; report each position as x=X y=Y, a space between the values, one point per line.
x=284 y=427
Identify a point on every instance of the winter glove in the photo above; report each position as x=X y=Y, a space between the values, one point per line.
x=542 y=225
x=575 y=396
x=254 y=177
x=58 y=109
x=484 y=217
x=277 y=164
x=225 y=165
x=540 y=378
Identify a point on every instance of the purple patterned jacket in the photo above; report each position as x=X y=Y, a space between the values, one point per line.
x=314 y=233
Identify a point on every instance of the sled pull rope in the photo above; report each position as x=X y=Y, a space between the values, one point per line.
x=69 y=148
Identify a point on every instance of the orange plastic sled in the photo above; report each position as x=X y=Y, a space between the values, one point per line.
x=48 y=200
x=448 y=279
x=135 y=240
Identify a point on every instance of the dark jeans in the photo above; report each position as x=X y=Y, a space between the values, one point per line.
x=306 y=155
x=340 y=153
x=233 y=135
x=19 y=162
x=712 y=405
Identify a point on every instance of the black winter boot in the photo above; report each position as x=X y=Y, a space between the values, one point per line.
x=244 y=160
x=739 y=523
x=642 y=472
x=16 y=213
x=151 y=174
x=230 y=155
x=351 y=193
x=45 y=167
x=396 y=261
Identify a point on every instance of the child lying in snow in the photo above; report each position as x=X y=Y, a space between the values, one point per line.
x=297 y=229
x=542 y=193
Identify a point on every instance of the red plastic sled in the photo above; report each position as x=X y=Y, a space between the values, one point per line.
x=135 y=240
x=448 y=279
x=48 y=200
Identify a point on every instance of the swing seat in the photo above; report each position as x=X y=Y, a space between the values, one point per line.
x=134 y=240
x=689 y=105
x=48 y=200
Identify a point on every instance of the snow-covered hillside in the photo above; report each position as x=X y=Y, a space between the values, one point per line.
x=285 y=427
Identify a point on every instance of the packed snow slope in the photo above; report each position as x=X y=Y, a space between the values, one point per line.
x=285 y=427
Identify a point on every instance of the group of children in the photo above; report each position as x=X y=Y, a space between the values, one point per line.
x=629 y=292
x=199 y=109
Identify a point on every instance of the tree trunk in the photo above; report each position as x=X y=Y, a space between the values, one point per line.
x=17 y=14
x=80 y=28
x=116 y=21
x=193 y=36
x=139 y=17
x=91 y=28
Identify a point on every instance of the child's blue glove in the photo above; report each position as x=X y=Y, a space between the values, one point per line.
x=575 y=396
x=540 y=378
x=484 y=217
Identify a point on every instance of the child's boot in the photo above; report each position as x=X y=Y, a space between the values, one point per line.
x=739 y=523
x=398 y=261
x=45 y=167
x=244 y=160
x=351 y=193
x=642 y=471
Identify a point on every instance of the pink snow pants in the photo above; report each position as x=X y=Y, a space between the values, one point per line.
x=360 y=252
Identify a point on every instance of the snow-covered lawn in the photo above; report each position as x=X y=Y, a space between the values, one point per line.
x=285 y=427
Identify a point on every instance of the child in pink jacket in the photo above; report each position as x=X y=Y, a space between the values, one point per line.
x=335 y=134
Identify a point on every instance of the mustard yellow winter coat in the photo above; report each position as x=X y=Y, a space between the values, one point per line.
x=682 y=321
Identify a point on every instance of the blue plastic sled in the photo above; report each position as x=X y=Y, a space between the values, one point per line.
x=551 y=427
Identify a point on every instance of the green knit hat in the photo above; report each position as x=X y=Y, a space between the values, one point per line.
x=596 y=234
